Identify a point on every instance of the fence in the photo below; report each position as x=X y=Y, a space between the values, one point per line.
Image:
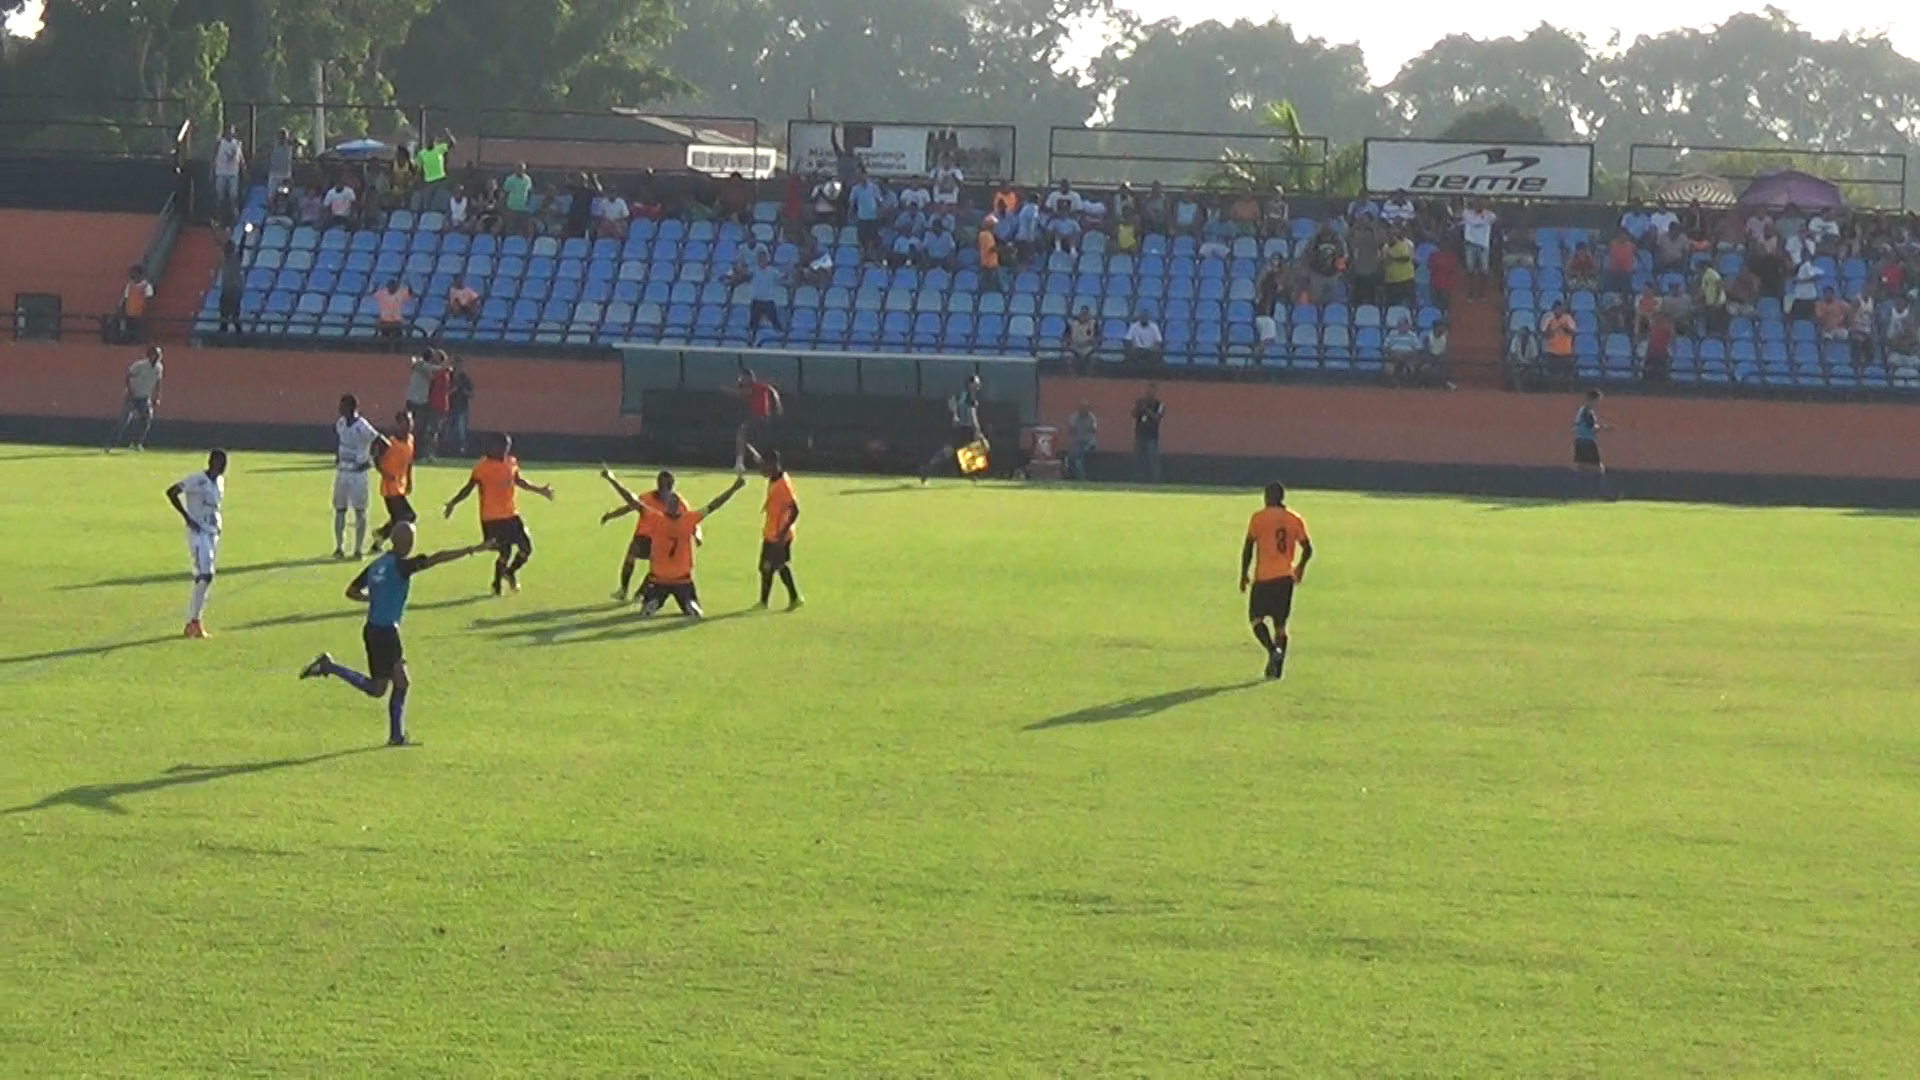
x=316 y=126
x=1105 y=157
x=615 y=141
x=1014 y=380
x=1872 y=181
x=41 y=126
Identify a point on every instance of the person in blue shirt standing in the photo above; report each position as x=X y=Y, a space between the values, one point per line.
x=383 y=586
x=1586 y=444
x=864 y=200
x=764 y=284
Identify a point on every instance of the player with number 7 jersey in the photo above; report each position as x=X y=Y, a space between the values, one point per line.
x=671 y=534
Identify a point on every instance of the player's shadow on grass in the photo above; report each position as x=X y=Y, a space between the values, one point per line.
x=101 y=796
x=1139 y=708
x=302 y=618
x=550 y=615
x=626 y=624
x=98 y=649
x=305 y=466
x=175 y=577
x=904 y=485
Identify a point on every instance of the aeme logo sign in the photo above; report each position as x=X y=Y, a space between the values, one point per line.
x=1511 y=170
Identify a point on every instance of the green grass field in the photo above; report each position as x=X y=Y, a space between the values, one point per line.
x=1583 y=790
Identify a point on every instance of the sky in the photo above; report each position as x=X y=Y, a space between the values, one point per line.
x=1391 y=32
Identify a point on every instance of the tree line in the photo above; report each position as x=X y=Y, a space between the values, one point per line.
x=1755 y=80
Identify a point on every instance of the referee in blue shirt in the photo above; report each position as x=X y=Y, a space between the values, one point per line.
x=383 y=586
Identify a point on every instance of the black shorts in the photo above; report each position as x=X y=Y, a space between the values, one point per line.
x=399 y=509
x=506 y=533
x=1271 y=600
x=654 y=594
x=964 y=435
x=640 y=548
x=383 y=650
x=756 y=427
x=1586 y=452
x=869 y=233
x=774 y=555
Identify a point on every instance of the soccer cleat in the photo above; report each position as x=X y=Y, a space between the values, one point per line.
x=358 y=555
x=796 y=603
x=619 y=596
x=339 y=553
x=513 y=584
x=693 y=612
x=496 y=586
x=761 y=606
x=195 y=630
x=401 y=742
x=1280 y=664
x=317 y=669
x=1273 y=665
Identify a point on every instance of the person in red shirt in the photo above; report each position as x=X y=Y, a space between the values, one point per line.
x=763 y=406
x=1443 y=269
x=439 y=403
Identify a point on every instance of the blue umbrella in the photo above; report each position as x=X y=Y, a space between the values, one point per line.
x=360 y=150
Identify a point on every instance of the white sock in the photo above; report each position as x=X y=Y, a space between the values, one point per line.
x=359 y=530
x=339 y=530
x=197 y=603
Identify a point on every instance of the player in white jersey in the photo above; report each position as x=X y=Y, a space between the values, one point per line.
x=197 y=499
x=352 y=463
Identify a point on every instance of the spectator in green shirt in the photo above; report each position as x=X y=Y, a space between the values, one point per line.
x=517 y=189
x=431 y=162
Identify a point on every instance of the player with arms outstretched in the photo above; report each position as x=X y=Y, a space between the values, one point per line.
x=640 y=548
x=1275 y=536
x=671 y=533
x=497 y=478
x=197 y=500
x=782 y=511
x=396 y=477
x=384 y=586
x=355 y=440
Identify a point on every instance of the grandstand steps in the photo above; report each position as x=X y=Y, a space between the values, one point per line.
x=1478 y=340
x=190 y=272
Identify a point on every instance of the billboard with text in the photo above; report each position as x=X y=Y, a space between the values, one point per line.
x=900 y=150
x=1485 y=169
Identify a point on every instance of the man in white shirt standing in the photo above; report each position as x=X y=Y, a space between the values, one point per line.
x=142 y=395
x=339 y=201
x=1476 y=229
x=229 y=161
x=1398 y=210
x=947 y=179
x=197 y=500
x=352 y=461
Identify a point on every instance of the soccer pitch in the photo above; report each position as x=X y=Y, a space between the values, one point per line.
x=1549 y=790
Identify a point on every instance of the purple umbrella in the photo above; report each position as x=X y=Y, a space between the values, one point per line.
x=1790 y=187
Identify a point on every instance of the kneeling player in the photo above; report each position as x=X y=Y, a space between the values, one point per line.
x=672 y=539
x=396 y=478
x=1273 y=536
x=640 y=548
x=383 y=586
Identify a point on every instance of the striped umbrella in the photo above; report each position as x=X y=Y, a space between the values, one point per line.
x=1698 y=188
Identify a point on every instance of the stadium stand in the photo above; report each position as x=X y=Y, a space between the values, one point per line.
x=682 y=281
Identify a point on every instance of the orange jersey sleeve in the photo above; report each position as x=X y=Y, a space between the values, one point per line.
x=393 y=468
x=671 y=562
x=780 y=502
x=498 y=500
x=1277 y=534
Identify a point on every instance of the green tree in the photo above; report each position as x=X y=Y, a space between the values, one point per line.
x=1498 y=123
x=1550 y=75
x=470 y=55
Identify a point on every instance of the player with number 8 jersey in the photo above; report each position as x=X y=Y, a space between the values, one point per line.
x=1276 y=536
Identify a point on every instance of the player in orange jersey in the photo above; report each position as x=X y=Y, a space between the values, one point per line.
x=1275 y=536
x=396 y=478
x=497 y=478
x=640 y=548
x=776 y=536
x=671 y=536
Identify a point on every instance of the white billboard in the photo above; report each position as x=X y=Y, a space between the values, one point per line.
x=900 y=150
x=722 y=159
x=1488 y=169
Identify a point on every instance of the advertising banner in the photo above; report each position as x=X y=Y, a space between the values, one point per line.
x=1487 y=169
x=901 y=150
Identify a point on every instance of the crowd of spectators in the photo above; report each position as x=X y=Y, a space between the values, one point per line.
x=1667 y=273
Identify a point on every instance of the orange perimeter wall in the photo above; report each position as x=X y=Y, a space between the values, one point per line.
x=82 y=258
x=258 y=387
x=564 y=397
x=1492 y=427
